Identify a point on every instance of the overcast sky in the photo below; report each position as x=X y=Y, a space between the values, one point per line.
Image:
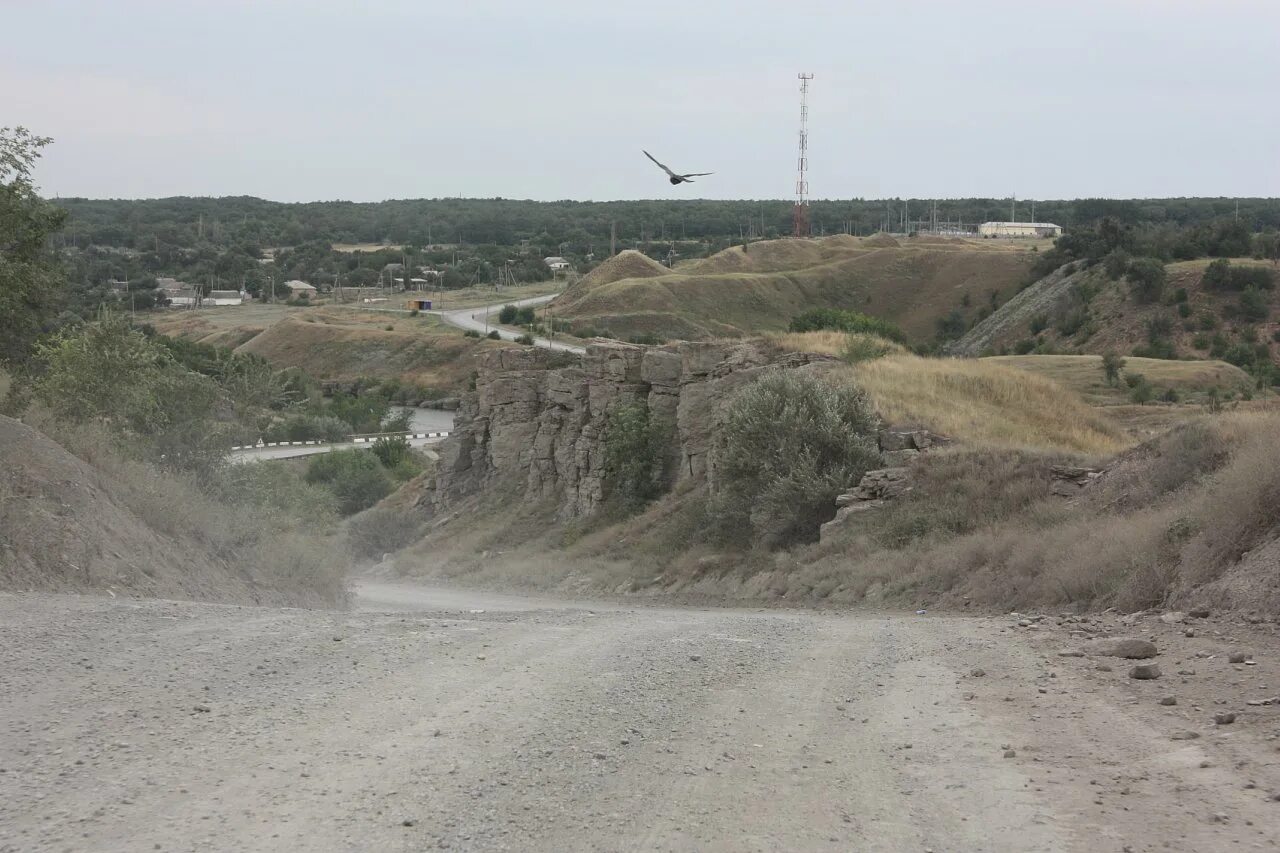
x=552 y=99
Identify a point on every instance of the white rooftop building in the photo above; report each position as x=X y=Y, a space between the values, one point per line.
x=1019 y=229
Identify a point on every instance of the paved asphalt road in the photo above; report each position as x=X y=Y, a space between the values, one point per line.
x=474 y=319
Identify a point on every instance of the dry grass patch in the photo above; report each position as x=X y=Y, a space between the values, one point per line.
x=985 y=404
x=837 y=344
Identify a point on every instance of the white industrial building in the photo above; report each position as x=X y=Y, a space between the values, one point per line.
x=1019 y=229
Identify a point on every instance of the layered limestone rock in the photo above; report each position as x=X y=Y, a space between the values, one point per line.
x=536 y=420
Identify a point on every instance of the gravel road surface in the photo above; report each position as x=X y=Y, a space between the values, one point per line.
x=431 y=719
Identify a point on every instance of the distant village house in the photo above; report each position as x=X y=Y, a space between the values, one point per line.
x=179 y=293
x=557 y=264
x=223 y=297
x=300 y=289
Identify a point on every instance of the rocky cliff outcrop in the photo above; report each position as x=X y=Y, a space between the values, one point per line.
x=535 y=422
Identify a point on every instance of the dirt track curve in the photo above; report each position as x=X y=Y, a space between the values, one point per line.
x=156 y=725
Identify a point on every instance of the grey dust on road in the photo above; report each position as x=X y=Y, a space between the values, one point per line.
x=443 y=719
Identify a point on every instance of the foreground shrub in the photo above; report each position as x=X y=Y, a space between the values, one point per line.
x=789 y=444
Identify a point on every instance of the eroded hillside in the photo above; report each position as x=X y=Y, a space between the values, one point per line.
x=760 y=287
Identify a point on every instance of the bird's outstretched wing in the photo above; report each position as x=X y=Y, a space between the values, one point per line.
x=660 y=166
x=697 y=174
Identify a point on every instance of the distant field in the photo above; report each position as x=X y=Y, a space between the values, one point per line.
x=338 y=342
x=1083 y=375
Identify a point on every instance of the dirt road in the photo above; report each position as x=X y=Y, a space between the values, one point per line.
x=539 y=726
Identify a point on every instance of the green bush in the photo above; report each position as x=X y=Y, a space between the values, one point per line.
x=835 y=319
x=1112 y=364
x=1039 y=323
x=507 y=315
x=1024 y=346
x=471 y=333
x=637 y=456
x=1254 y=304
x=1142 y=393
x=524 y=316
x=527 y=340
x=647 y=338
x=391 y=450
x=1184 y=309
x=1222 y=275
x=1116 y=263
x=789 y=444
x=307 y=428
x=494 y=336
x=1147 y=278
x=1200 y=341
x=356 y=478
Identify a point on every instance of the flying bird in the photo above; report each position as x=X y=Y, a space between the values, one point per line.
x=672 y=176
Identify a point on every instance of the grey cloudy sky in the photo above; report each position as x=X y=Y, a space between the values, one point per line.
x=364 y=101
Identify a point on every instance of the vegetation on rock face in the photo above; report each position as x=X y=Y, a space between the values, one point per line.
x=788 y=444
x=637 y=457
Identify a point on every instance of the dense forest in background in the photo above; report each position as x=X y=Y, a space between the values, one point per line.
x=244 y=242
x=583 y=225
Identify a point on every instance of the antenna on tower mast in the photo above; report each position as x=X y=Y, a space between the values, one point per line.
x=800 y=216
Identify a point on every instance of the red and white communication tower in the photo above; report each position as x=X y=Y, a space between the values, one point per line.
x=800 y=216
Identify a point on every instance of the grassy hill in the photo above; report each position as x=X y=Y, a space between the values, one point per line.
x=758 y=288
x=338 y=343
x=1080 y=311
x=1083 y=375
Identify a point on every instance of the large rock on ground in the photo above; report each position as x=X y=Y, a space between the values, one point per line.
x=1133 y=648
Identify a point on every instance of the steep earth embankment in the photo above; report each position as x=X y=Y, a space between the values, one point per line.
x=68 y=526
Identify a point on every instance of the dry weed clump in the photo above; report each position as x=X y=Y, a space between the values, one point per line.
x=855 y=346
x=984 y=404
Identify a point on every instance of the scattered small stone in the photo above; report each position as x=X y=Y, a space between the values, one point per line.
x=1169 y=700
x=1190 y=632
x=978 y=673
x=1184 y=735
x=1102 y=667
x=1071 y=653
x=337 y=639
x=481 y=657
x=1237 y=657
x=408 y=822
x=203 y=709
x=1224 y=718
x=1173 y=617
x=695 y=658
x=1200 y=613
x=1010 y=753
x=1145 y=671
x=599 y=756
x=1219 y=817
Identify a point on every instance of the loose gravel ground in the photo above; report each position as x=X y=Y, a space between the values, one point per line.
x=449 y=720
